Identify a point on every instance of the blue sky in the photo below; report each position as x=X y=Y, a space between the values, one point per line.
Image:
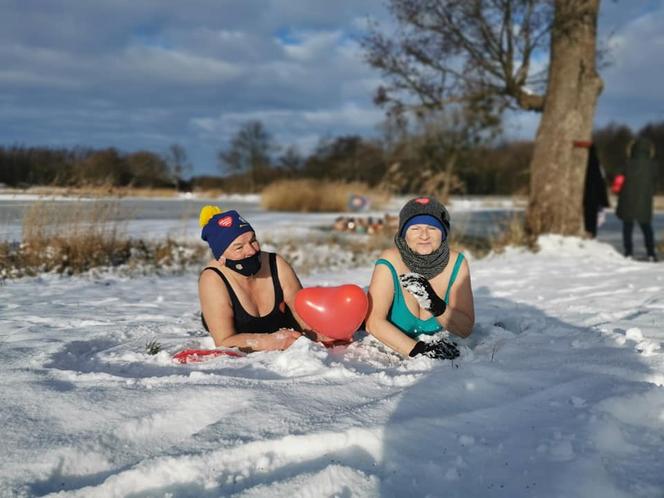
x=150 y=73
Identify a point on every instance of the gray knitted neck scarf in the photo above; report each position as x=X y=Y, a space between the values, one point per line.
x=427 y=265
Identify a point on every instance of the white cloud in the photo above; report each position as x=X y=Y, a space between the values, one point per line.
x=311 y=44
x=635 y=54
x=322 y=13
x=29 y=78
x=634 y=79
x=175 y=66
x=301 y=128
x=349 y=114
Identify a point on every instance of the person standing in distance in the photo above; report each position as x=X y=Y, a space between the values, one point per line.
x=636 y=197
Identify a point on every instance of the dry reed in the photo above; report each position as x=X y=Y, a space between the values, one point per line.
x=75 y=237
x=514 y=234
x=316 y=196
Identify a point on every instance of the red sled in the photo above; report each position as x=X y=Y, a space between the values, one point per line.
x=201 y=355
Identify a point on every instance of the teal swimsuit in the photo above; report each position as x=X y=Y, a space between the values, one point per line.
x=402 y=318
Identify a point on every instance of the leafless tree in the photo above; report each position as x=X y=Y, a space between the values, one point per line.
x=427 y=159
x=176 y=158
x=492 y=55
x=249 y=152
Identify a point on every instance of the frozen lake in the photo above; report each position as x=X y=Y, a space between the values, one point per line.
x=177 y=217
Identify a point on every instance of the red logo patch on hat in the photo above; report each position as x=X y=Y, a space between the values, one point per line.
x=423 y=200
x=225 y=222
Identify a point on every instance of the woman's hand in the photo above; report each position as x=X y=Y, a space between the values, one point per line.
x=314 y=336
x=281 y=339
x=439 y=350
x=421 y=289
x=274 y=341
x=329 y=342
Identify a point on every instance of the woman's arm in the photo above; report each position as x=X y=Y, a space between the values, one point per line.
x=459 y=317
x=218 y=312
x=381 y=294
x=280 y=340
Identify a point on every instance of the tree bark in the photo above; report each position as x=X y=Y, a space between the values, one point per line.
x=557 y=167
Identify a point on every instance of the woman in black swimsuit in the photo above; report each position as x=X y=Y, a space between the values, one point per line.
x=246 y=295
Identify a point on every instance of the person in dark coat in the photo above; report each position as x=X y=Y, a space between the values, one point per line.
x=635 y=202
x=595 y=196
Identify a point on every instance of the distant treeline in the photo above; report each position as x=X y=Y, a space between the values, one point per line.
x=22 y=166
x=408 y=164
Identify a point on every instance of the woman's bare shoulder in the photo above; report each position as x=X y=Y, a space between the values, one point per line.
x=391 y=254
x=207 y=276
x=454 y=255
x=284 y=268
x=281 y=261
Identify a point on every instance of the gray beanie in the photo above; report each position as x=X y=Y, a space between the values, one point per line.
x=424 y=205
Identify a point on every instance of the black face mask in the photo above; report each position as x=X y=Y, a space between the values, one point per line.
x=247 y=266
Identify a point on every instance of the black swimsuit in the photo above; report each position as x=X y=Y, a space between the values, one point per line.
x=244 y=323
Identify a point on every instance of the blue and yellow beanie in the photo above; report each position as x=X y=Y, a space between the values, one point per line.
x=221 y=228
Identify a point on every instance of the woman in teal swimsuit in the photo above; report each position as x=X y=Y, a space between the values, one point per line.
x=421 y=286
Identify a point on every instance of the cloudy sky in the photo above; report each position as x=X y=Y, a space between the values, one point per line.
x=149 y=73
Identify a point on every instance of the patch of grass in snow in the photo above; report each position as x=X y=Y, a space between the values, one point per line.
x=152 y=347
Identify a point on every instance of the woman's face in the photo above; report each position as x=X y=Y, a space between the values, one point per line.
x=423 y=239
x=244 y=246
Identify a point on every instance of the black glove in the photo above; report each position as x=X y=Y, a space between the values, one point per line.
x=439 y=350
x=427 y=298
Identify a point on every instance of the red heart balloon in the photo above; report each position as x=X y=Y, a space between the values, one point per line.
x=336 y=312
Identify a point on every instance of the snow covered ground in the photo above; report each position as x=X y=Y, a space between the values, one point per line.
x=558 y=392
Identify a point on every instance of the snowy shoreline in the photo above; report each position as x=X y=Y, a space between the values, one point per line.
x=558 y=392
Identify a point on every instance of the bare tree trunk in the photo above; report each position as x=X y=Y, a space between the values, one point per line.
x=557 y=167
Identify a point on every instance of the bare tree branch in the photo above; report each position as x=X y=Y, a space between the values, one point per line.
x=450 y=51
